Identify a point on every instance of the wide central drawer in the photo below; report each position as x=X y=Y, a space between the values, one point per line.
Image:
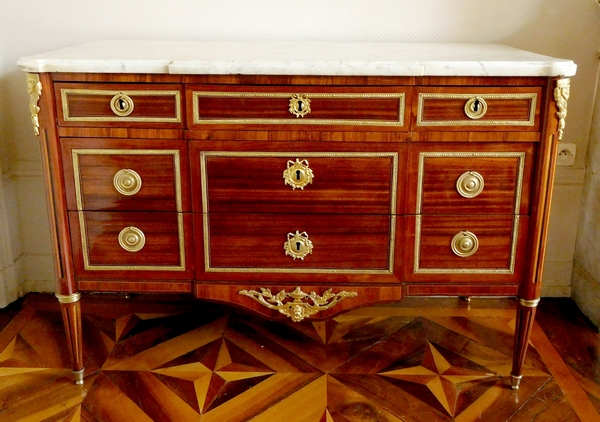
x=297 y=243
x=297 y=105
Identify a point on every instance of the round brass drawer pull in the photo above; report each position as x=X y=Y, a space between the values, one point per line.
x=298 y=245
x=132 y=239
x=122 y=105
x=475 y=108
x=299 y=105
x=470 y=184
x=298 y=174
x=464 y=244
x=127 y=182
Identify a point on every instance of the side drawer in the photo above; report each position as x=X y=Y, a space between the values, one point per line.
x=349 y=107
x=476 y=108
x=469 y=178
x=121 y=175
x=290 y=247
x=465 y=248
x=146 y=245
x=119 y=105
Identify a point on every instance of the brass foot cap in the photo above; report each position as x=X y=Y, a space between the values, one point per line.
x=515 y=380
x=79 y=376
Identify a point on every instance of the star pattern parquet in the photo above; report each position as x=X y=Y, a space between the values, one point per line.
x=200 y=363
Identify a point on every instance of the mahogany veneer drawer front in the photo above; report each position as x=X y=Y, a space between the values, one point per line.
x=127 y=105
x=476 y=108
x=147 y=245
x=297 y=195
x=118 y=175
x=349 y=107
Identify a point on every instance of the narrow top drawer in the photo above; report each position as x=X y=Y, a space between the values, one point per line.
x=119 y=105
x=223 y=105
x=477 y=108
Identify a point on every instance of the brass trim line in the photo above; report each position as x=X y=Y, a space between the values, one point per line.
x=198 y=120
x=509 y=270
x=34 y=88
x=205 y=211
x=531 y=303
x=111 y=93
x=529 y=122
x=520 y=172
x=72 y=298
x=561 y=95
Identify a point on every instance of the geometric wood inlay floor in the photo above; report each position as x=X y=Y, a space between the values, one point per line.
x=196 y=362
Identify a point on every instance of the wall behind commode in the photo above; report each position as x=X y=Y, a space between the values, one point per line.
x=551 y=27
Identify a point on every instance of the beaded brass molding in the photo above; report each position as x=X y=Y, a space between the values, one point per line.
x=468 y=122
x=76 y=153
x=401 y=97
x=112 y=93
x=300 y=307
x=34 y=88
x=204 y=155
x=561 y=96
x=65 y=299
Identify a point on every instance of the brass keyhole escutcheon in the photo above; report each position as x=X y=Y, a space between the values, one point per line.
x=127 y=182
x=299 y=105
x=121 y=104
x=464 y=244
x=469 y=184
x=475 y=108
x=298 y=174
x=298 y=245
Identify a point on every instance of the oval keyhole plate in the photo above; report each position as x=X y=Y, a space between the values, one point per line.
x=298 y=245
x=298 y=174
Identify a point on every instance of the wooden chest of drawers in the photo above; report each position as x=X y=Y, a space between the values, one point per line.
x=299 y=196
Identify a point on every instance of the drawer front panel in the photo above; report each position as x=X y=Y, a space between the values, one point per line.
x=477 y=108
x=298 y=105
x=132 y=244
x=354 y=244
x=471 y=179
x=125 y=105
x=121 y=177
x=362 y=183
x=459 y=248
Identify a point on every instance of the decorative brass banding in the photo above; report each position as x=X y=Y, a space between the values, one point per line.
x=464 y=244
x=298 y=174
x=298 y=245
x=201 y=120
x=299 y=105
x=121 y=104
x=303 y=304
x=132 y=239
x=72 y=298
x=475 y=108
x=127 y=182
x=474 y=121
x=532 y=303
x=34 y=88
x=561 y=95
x=470 y=184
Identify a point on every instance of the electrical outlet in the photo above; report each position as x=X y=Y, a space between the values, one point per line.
x=566 y=154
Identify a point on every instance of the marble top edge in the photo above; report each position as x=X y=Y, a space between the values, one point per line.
x=286 y=58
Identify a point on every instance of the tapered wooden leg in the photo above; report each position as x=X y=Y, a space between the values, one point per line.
x=71 y=312
x=525 y=317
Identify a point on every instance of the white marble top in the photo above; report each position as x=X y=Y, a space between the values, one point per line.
x=374 y=59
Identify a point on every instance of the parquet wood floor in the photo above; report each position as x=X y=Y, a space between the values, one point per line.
x=419 y=360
